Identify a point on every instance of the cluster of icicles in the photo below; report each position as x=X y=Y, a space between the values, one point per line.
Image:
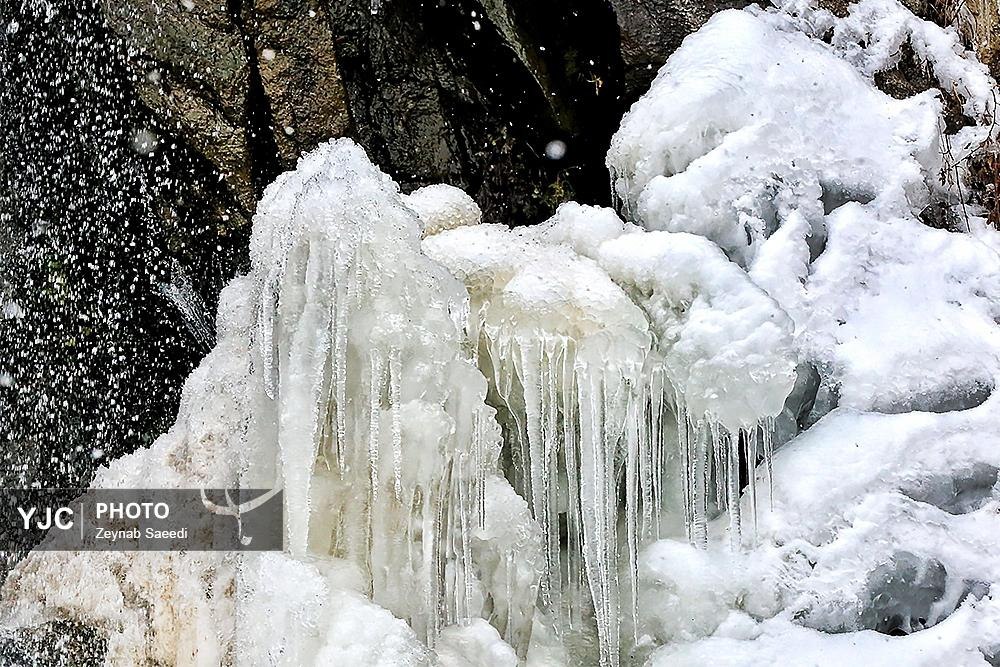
x=383 y=444
x=375 y=389
x=587 y=443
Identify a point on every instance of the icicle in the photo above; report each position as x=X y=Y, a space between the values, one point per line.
x=611 y=437
x=767 y=432
x=629 y=213
x=598 y=522
x=649 y=446
x=731 y=442
x=415 y=506
x=181 y=293
x=375 y=419
x=464 y=561
x=503 y=353
x=265 y=335
x=550 y=442
x=509 y=581
x=633 y=446
x=482 y=467
x=686 y=456
x=718 y=463
x=615 y=200
x=570 y=454
x=531 y=371
x=699 y=490
x=460 y=313
x=395 y=406
x=750 y=437
x=339 y=379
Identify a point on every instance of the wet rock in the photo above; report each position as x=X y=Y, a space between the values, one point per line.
x=652 y=29
x=248 y=85
x=471 y=93
x=191 y=69
x=466 y=92
x=295 y=54
x=55 y=644
x=904 y=594
x=959 y=492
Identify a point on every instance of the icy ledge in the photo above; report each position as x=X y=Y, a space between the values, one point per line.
x=506 y=447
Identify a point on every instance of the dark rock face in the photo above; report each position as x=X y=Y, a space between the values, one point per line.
x=294 y=51
x=653 y=29
x=466 y=92
x=191 y=70
x=248 y=86
x=56 y=644
x=98 y=198
x=471 y=93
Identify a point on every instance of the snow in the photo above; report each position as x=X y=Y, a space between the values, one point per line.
x=749 y=122
x=477 y=643
x=686 y=593
x=726 y=344
x=361 y=633
x=954 y=642
x=581 y=227
x=442 y=207
x=874 y=33
x=937 y=291
x=880 y=511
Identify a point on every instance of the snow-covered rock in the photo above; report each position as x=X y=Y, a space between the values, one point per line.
x=804 y=174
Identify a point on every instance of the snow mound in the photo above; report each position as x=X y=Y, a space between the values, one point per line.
x=726 y=344
x=581 y=227
x=903 y=316
x=874 y=35
x=442 y=207
x=812 y=180
x=477 y=643
x=749 y=122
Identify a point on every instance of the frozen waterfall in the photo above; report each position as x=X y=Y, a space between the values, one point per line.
x=657 y=433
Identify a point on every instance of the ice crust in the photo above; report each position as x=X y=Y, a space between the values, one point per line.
x=524 y=446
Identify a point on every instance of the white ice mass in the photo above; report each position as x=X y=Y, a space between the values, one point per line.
x=525 y=446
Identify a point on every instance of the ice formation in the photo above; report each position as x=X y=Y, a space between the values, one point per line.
x=607 y=350
x=340 y=375
x=750 y=122
x=560 y=444
x=563 y=345
x=442 y=207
